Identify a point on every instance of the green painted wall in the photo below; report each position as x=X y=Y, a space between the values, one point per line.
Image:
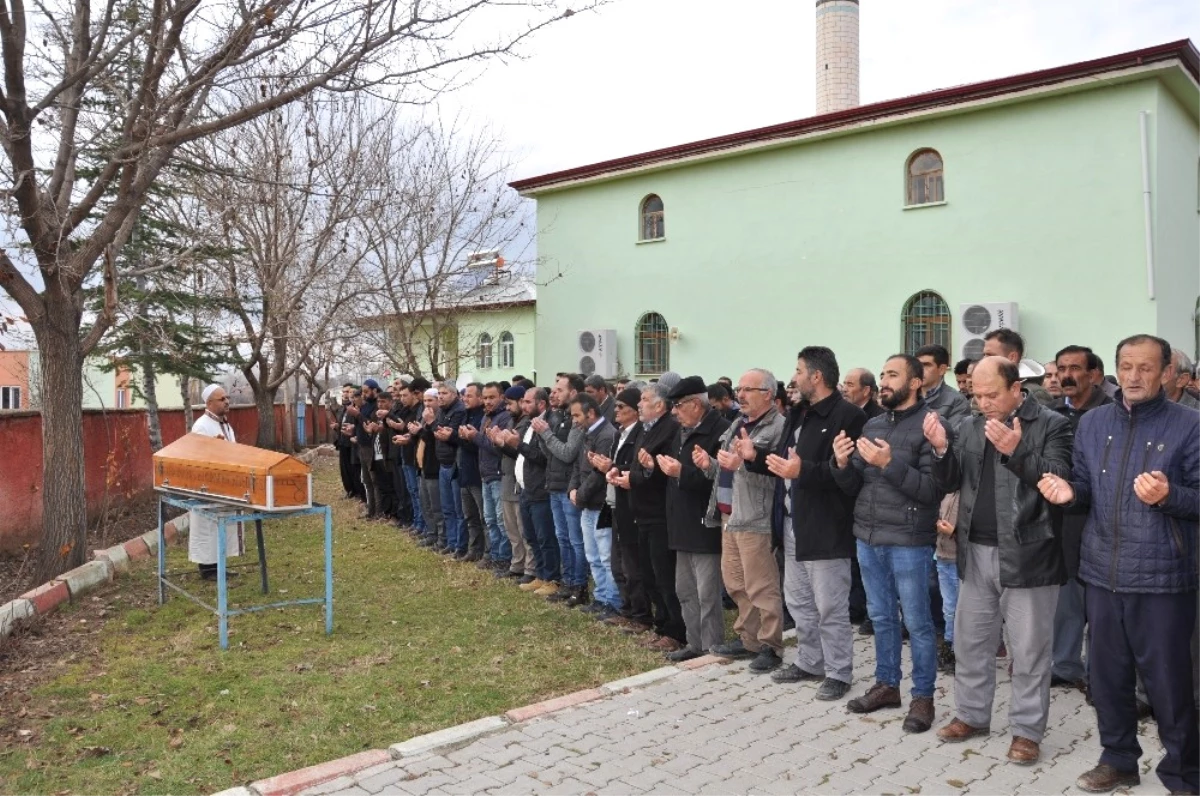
x=521 y=321
x=810 y=244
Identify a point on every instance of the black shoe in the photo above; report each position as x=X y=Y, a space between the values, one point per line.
x=866 y=628
x=857 y=617
x=211 y=574
x=563 y=593
x=681 y=655
x=945 y=658
x=832 y=690
x=579 y=598
x=472 y=558
x=1144 y=711
x=605 y=612
x=460 y=555
x=766 y=660
x=521 y=581
x=794 y=674
x=734 y=649
x=591 y=608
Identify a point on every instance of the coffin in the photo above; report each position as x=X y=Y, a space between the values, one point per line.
x=226 y=472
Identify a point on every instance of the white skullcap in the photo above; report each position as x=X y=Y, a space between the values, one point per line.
x=208 y=391
x=431 y=392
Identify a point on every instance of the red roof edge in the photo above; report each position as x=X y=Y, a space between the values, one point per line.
x=1183 y=50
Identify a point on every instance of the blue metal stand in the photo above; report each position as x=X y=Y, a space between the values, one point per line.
x=222 y=608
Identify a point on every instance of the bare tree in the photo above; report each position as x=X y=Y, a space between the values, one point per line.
x=139 y=78
x=452 y=202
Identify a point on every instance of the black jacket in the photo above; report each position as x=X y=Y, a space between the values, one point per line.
x=468 y=450
x=688 y=495
x=490 y=461
x=450 y=417
x=896 y=505
x=535 y=462
x=822 y=514
x=1027 y=526
x=624 y=458
x=1073 y=521
x=589 y=483
x=649 y=486
x=366 y=441
x=872 y=409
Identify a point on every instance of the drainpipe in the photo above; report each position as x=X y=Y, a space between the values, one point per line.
x=1146 y=203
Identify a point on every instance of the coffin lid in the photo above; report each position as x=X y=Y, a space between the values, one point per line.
x=213 y=451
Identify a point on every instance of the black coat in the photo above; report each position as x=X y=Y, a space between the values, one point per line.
x=649 y=486
x=1027 y=525
x=872 y=409
x=535 y=462
x=1073 y=521
x=625 y=457
x=688 y=495
x=822 y=514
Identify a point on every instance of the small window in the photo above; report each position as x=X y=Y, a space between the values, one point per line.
x=508 y=358
x=925 y=320
x=122 y=399
x=483 y=352
x=10 y=397
x=653 y=344
x=653 y=225
x=925 y=183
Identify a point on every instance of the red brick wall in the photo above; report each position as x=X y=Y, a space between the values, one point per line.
x=116 y=451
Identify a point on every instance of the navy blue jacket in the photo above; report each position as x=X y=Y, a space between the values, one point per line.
x=1127 y=545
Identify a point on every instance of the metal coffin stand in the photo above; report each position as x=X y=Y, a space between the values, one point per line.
x=222 y=609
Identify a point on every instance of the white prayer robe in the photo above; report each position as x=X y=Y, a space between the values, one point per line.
x=202 y=530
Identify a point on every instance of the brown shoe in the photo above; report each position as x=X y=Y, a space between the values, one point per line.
x=920 y=715
x=958 y=730
x=1104 y=778
x=664 y=644
x=1023 y=751
x=879 y=696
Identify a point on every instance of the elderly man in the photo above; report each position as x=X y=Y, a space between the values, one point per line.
x=1178 y=379
x=744 y=494
x=1136 y=470
x=202 y=539
x=1009 y=552
x=692 y=534
x=815 y=520
x=860 y=388
x=888 y=471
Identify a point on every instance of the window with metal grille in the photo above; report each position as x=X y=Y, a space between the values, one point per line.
x=925 y=320
x=483 y=352
x=925 y=183
x=10 y=397
x=508 y=350
x=653 y=345
x=653 y=225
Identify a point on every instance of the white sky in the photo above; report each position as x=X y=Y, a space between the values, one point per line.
x=637 y=75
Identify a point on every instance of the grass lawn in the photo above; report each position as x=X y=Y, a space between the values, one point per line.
x=419 y=643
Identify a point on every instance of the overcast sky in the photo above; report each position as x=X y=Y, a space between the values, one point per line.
x=642 y=74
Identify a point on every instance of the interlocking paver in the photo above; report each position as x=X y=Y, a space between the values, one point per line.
x=722 y=730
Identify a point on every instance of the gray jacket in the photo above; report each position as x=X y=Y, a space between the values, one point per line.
x=896 y=505
x=589 y=482
x=561 y=442
x=753 y=483
x=953 y=406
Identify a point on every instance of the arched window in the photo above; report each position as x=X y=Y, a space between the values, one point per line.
x=508 y=357
x=483 y=352
x=651 y=340
x=925 y=320
x=925 y=183
x=653 y=225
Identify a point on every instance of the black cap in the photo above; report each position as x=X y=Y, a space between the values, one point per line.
x=630 y=397
x=686 y=388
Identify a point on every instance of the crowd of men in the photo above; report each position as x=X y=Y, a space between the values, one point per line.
x=999 y=519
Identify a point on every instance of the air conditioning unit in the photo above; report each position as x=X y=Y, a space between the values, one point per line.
x=597 y=352
x=976 y=320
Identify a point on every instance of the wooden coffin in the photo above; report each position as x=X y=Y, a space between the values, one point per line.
x=226 y=472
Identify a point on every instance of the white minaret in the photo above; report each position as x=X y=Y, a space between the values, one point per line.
x=837 y=55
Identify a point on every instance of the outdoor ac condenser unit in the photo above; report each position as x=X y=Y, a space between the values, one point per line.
x=597 y=352
x=976 y=320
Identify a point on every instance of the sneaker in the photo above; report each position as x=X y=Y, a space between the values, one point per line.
x=734 y=649
x=681 y=655
x=878 y=696
x=547 y=588
x=533 y=584
x=832 y=690
x=794 y=674
x=920 y=715
x=766 y=660
x=866 y=628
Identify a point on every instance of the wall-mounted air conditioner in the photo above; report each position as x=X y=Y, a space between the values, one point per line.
x=596 y=350
x=977 y=319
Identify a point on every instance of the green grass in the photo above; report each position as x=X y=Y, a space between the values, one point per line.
x=419 y=643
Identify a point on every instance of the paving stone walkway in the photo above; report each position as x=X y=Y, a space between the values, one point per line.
x=722 y=730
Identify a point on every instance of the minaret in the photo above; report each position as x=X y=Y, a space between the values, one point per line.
x=837 y=55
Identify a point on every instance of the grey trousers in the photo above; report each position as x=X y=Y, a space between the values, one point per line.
x=698 y=586
x=817 y=594
x=472 y=506
x=1028 y=616
x=522 y=556
x=431 y=508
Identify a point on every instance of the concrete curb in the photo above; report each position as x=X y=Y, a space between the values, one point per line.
x=103 y=568
x=639 y=680
x=295 y=781
x=447 y=737
x=551 y=705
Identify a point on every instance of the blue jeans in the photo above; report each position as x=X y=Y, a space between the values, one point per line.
x=538 y=523
x=947 y=572
x=897 y=578
x=499 y=548
x=597 y=546
x=569 y=531
x=414 y=490
x=452 y=516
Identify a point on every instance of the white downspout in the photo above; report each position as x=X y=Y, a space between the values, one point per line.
x=1147 y=203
